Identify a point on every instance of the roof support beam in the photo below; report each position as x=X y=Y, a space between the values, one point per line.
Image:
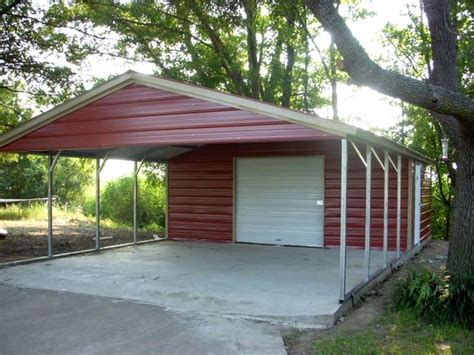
x=51 y=165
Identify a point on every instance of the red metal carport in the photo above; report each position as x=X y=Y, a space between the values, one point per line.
x=368 y=193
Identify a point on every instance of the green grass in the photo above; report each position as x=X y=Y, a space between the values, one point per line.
x=39 y=212
x=400 y=333
x=107 y=223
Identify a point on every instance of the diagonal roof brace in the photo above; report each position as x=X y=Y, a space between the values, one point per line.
x=358 y=152
x=104 y=160
x=55 y=160
x=378 y=158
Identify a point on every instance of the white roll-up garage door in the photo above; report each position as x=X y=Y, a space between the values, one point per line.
x=280 y=200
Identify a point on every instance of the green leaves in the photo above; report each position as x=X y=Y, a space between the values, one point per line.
x=438 y=297
x=116 y=202
x=25 y=176
x=238 y=46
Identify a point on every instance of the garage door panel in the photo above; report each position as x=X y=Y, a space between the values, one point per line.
x=289 y=222
x=295 y=194
x=279 y=200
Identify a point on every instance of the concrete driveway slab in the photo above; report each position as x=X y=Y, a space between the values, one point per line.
x=49 y=322
x=293 y=286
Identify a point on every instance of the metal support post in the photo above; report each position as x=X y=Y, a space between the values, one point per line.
x=97 y=203
x=368 y=198
x=167 y=198
x=399 y=202
x=385 y=208
x=50 y=206
x=98 y=169
x=342 y=244
x=51 y=165
x=135 y=201
x=136 y=170
x=368 y=186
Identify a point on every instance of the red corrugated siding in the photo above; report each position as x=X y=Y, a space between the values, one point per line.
x=201 y=188
x=356 y=203
x=138 y=115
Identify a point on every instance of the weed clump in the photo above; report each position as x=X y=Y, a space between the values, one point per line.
x=438 y=297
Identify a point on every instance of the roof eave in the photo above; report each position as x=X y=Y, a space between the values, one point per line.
x=391 y=145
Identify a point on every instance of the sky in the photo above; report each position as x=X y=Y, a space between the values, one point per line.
x=358 y=106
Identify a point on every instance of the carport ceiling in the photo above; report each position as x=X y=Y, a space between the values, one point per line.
x=147 y=153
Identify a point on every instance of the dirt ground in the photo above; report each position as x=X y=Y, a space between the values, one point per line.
x=433 y=257
x=29 y=239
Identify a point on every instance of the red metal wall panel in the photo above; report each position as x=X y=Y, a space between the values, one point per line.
x=201 y=192
x=356 y=203
x=139 y=116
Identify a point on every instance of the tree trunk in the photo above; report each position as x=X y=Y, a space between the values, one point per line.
x=445 y=74
x=288 y=77
x=250 y=7
x=333 y=72
x=307 y=59
x=461 y=242
x=229 y=63
x=444 y=55
x=287 y=84
x=275 y=73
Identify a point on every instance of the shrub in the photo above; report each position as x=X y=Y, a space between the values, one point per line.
x=117 y=203
x=438 y=297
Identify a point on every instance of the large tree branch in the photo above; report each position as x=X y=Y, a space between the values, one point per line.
x=228 y=61
x=365 y=72
x=62 y=26
x=443 y=49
